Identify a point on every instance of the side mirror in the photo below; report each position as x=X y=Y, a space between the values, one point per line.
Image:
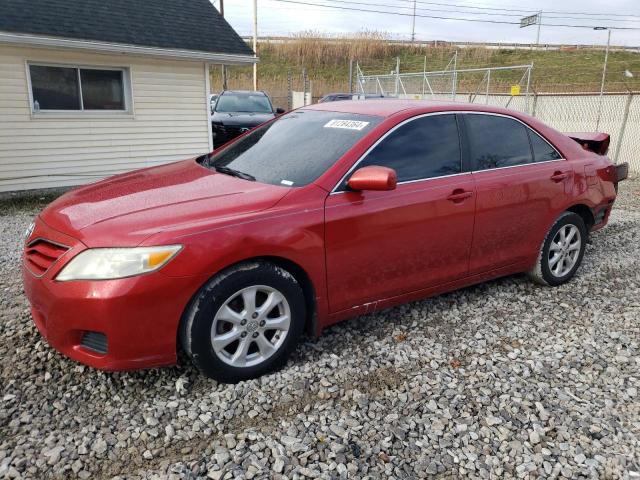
x=373 y=177
x=279 y=111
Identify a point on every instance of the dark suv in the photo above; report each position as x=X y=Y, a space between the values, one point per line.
x=237 y=111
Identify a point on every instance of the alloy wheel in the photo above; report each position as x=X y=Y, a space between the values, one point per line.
x=250 y=326
x=564 y=250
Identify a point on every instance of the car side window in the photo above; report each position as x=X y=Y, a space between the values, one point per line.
x=423 y=148
x=542 y=150
x=496 y=142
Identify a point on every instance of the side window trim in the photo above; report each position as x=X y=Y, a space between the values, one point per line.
x=340 y=186
x=465 y=139
x=464 y=144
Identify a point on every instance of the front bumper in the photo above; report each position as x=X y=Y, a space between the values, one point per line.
x=138 y=315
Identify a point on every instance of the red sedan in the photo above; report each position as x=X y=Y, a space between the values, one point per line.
x=328 y=212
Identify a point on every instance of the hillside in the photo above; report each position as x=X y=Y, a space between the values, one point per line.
x=327 y=63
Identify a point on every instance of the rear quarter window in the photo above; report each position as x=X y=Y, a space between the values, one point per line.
x=542 y=150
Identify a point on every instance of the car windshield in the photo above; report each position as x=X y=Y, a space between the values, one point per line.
x=296 y=148
x=243 y=102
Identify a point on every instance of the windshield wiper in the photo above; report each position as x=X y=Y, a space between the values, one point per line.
x=233 y=172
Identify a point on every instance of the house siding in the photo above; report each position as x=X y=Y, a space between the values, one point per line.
x=168 y=122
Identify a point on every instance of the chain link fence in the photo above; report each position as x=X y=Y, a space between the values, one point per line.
x=617 y=114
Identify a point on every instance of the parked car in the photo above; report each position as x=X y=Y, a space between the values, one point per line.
x=336 y=97
x=322 y=214
x=235 y=112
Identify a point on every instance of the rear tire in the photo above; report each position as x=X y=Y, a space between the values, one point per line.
x=561 y=252
x=244 y=322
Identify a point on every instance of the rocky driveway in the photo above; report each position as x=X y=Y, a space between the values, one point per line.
x=501 y=380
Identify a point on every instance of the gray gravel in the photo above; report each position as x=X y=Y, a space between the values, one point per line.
x=505 y=379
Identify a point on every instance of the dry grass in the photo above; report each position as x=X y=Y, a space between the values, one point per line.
x=326 y=60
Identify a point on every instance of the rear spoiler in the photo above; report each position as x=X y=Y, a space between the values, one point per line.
x=593 y=142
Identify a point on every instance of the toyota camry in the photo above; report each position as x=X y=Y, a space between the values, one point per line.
x=328 y=212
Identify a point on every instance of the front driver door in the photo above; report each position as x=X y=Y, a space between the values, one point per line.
x=380 y=244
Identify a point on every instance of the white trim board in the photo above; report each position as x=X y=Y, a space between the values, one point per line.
x=176 y=54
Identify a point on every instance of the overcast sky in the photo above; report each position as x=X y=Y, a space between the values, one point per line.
x=280 y=18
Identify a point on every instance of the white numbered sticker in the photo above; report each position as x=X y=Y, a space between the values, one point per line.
x=348 y=124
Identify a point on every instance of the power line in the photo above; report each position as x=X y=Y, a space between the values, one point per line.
x=439 y=17
x=386 y=5
x=520 y=10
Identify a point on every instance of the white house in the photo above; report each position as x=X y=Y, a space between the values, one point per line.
x=91 y=88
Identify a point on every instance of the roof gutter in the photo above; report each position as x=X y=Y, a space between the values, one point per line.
x=23 y=39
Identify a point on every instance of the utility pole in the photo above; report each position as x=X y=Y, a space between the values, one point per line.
x=413 y=23
x=224 y=68
x=255 y=44
x=539 y=23
x=604 y=73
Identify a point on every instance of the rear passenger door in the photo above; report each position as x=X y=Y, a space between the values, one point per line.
x=520 y=186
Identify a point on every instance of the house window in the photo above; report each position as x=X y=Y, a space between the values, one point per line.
x=73 y=88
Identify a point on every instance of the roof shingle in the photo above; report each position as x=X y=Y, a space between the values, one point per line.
x=175 y=24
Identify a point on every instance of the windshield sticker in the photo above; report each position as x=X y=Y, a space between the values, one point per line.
x=288 y=183
x=348 y=124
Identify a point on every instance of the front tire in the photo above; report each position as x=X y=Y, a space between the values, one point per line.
x=244 y=322
x=562 y=251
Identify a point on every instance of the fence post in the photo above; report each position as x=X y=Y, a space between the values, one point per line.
x=623 y=127
x=351 y=75
x=289 y=99
x=424 y=76
x=528 y=84
x=397 y=75
x=454 y=80
x=535 y=103
x=486 y=97
x=304 y=86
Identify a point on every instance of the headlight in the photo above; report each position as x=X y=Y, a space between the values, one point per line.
x=110 y=263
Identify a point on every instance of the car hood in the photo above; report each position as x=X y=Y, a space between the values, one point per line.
x=241 y=119
x=125 y=209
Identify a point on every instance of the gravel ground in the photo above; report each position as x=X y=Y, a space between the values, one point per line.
x=504 y=379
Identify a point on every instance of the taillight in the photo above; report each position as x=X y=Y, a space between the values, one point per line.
x=609 y=174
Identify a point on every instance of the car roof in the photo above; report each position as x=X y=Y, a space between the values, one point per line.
x=391 y=106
